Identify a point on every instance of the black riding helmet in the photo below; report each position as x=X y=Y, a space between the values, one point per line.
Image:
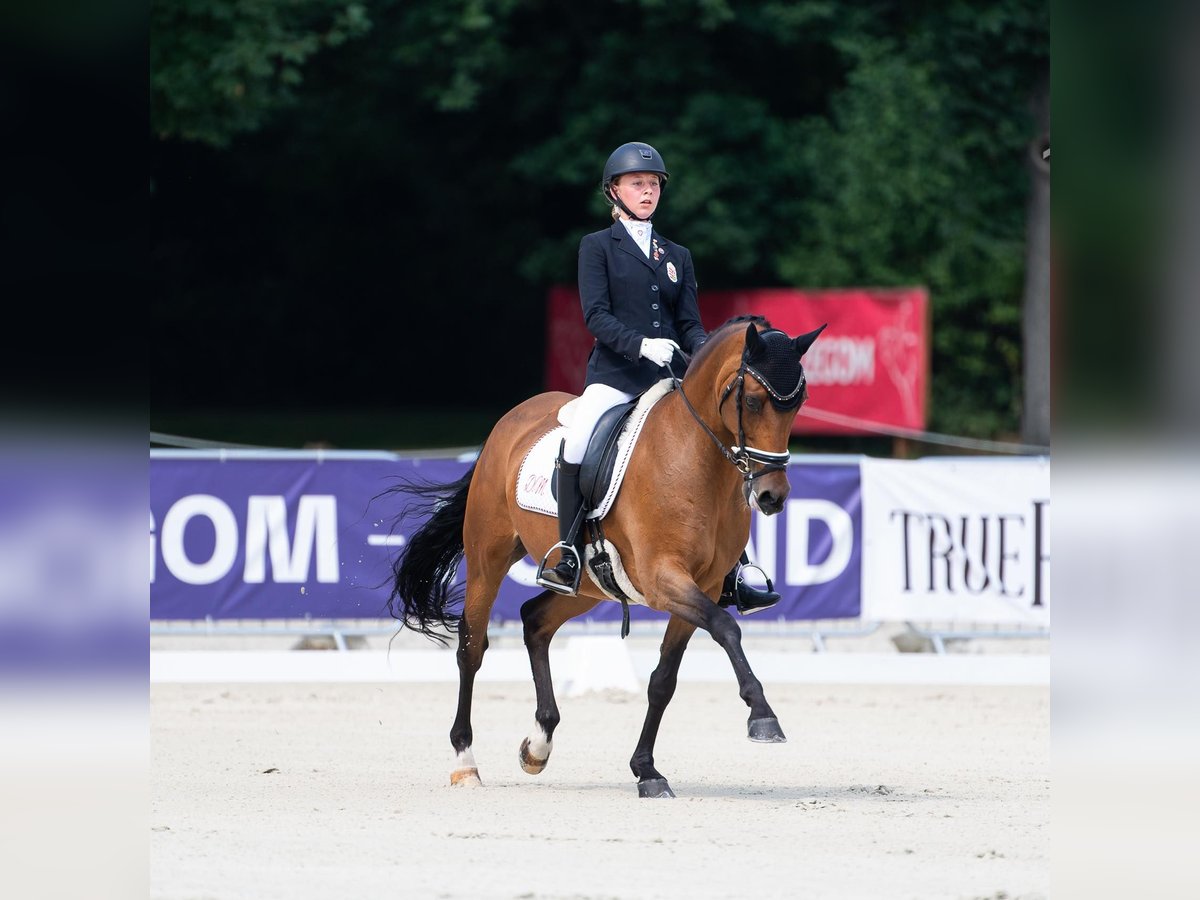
x=632 y=157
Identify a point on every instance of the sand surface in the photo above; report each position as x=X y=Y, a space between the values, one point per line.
x=335 y=791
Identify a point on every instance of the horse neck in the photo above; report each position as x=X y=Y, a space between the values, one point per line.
x=704 y=382
x=702 y=386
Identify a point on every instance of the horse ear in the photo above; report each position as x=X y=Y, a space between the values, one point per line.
x=753 y=341
x=805 y=341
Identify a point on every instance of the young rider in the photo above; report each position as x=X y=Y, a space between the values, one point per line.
x=638 y=292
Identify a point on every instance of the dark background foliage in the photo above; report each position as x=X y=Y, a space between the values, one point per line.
x=361 y=206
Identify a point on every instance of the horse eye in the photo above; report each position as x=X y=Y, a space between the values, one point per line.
x=754 y=404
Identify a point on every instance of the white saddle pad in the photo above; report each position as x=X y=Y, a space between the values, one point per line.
x=533 y=481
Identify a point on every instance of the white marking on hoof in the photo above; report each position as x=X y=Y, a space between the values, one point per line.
x=465 y=774
x=535 y=752
x=465 y=778
x=539 y=744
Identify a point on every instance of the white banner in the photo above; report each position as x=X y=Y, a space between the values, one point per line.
x=960 y=541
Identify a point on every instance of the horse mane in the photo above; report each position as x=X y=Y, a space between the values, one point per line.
x=721 y=330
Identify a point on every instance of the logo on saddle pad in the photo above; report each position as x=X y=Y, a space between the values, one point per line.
x=537 y=469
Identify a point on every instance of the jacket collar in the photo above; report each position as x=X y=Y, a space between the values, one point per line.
x=626 y=242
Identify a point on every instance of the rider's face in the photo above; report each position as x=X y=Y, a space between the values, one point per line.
x=640 y=192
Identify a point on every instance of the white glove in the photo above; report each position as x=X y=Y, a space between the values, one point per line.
x=658 y=350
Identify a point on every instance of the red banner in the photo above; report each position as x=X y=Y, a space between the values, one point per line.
x=870 y=364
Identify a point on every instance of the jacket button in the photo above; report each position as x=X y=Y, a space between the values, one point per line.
x=654 y=306
x=655 y=324
x=654 y=287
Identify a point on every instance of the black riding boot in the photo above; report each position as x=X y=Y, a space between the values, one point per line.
x=747 y=599
x=564 y=577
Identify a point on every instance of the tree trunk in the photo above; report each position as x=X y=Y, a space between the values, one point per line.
x=1036 y=317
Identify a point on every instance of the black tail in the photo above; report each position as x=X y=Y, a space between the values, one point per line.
x=423 y=589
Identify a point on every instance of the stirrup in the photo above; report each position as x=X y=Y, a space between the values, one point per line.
x=737 y=584
x=554 y=585
x=744 y=566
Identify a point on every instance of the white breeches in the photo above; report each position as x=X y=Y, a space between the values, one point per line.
x=597 y=399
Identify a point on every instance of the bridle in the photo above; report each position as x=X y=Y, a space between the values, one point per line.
x=741 y=455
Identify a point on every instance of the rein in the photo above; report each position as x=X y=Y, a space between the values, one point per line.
x=739 y=454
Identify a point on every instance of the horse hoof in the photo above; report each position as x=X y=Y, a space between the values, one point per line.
x=655 y=788
x=530 y=764
x=766 y=731
x=465 y=778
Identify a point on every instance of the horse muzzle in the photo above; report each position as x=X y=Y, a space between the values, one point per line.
x=767 y=500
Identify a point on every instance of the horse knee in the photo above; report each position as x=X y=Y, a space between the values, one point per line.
x=723 y=627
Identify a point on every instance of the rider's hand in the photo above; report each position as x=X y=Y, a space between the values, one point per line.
x=658 y=350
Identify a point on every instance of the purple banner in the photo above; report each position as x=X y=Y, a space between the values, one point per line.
x=314 y=535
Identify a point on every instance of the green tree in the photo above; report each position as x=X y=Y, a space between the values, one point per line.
x=816 y=143
x=222 y=67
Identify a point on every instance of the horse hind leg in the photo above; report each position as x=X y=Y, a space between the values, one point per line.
x=542 y=617
x=486 y=568
x=472 y=642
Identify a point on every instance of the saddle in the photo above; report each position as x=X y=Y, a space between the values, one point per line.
x=605 y=460
x=600 y=458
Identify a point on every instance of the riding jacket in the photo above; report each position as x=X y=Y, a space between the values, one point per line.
x=627 y=296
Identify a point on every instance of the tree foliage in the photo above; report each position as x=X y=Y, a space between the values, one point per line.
x=817 y=143
x=222 y=67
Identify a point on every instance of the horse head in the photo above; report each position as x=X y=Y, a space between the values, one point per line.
x=760 y=386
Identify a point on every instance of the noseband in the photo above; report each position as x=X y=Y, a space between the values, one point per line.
x=742 y=456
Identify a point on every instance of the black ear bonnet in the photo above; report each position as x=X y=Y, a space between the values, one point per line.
x=775 y=364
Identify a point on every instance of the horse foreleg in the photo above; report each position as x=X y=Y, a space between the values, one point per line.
x=689 y=603
x=659 y=693
x=542 y=617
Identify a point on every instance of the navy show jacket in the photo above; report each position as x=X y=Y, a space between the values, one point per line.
x=627 y=297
